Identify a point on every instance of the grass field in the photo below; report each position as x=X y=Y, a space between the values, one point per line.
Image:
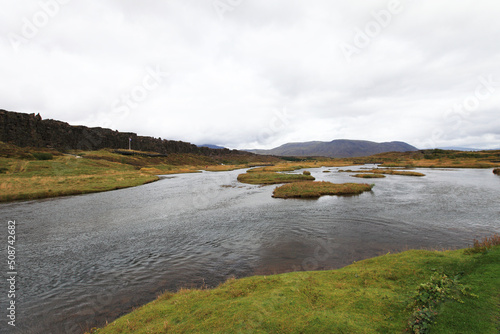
x=437 y=158
x=28 y=173
x=378 y=295
x=65 y=175
x=272 y=178
x=318 y=189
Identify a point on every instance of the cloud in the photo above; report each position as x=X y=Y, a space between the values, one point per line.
x=255 y=74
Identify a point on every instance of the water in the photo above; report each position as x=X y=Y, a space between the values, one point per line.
x=84 y=260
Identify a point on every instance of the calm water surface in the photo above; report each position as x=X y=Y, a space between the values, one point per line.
x=83 y=260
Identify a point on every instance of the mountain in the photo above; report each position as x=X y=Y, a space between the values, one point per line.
x=339 y=148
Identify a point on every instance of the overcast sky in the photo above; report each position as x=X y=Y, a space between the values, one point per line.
x=259 y=73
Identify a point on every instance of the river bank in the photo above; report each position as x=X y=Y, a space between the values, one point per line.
x=29 y=173
x=371 y=296
x=107 y=253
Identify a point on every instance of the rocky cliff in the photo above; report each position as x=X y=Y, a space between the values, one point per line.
x=31 y=130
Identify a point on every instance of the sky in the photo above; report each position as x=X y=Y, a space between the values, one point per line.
x=259 y=73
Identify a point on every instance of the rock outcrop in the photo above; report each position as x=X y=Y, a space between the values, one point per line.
x=30 y=130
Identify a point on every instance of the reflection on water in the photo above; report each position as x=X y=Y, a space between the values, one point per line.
x=87 y=259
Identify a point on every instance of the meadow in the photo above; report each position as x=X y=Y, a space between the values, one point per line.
x=33 y=173
x=29 y=173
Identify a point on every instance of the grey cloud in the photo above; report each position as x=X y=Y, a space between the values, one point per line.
x=229 y=75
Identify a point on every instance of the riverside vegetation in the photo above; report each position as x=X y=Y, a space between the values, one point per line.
x=447 y=291
x=372 y=173
x=298 y=185
x=31 y=173
x=318 y=189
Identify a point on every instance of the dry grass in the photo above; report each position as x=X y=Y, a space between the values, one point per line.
x=481 y=246
x=369 y=176
x=272 y=178
x=318 y=189
x=393 y=172
x=34 y=187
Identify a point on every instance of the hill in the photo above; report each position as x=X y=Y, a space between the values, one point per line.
x=340 y=148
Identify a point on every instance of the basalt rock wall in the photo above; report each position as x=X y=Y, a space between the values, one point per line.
x=30 y=130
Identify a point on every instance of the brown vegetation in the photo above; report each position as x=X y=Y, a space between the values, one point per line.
x=318 y=189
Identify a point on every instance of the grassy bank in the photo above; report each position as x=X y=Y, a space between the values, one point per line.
x=369 y=176
x=272 y=178
x=377 y=295
x=29 y=173
x=65 y=175
x=383 y=171
x=318 y=189
x=437 y=158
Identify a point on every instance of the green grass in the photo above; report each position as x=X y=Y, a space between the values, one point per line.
x=370 y=296
x=65 y=175
x=369 y=176
x=33 y=173
x=318 y=189
x=272 y=178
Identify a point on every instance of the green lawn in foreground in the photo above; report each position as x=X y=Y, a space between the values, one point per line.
x=370 y=296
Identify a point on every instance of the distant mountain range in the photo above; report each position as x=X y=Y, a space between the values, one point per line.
x=339 y=148
x=456 y=148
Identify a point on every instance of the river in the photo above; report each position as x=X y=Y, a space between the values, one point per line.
x=84 y=260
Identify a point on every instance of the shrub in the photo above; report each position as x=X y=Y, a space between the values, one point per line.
x=42 y=156
x=483 y=245
x=429 y=296
x=496 y=171
x=306 y=172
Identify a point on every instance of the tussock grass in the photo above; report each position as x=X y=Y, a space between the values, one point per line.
x=28 y=173
x=393 y=172
x=277 y=168
x=318 y=189
x=369 y=176
x=439 y=159
x=370 y=296
x=272 y=178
